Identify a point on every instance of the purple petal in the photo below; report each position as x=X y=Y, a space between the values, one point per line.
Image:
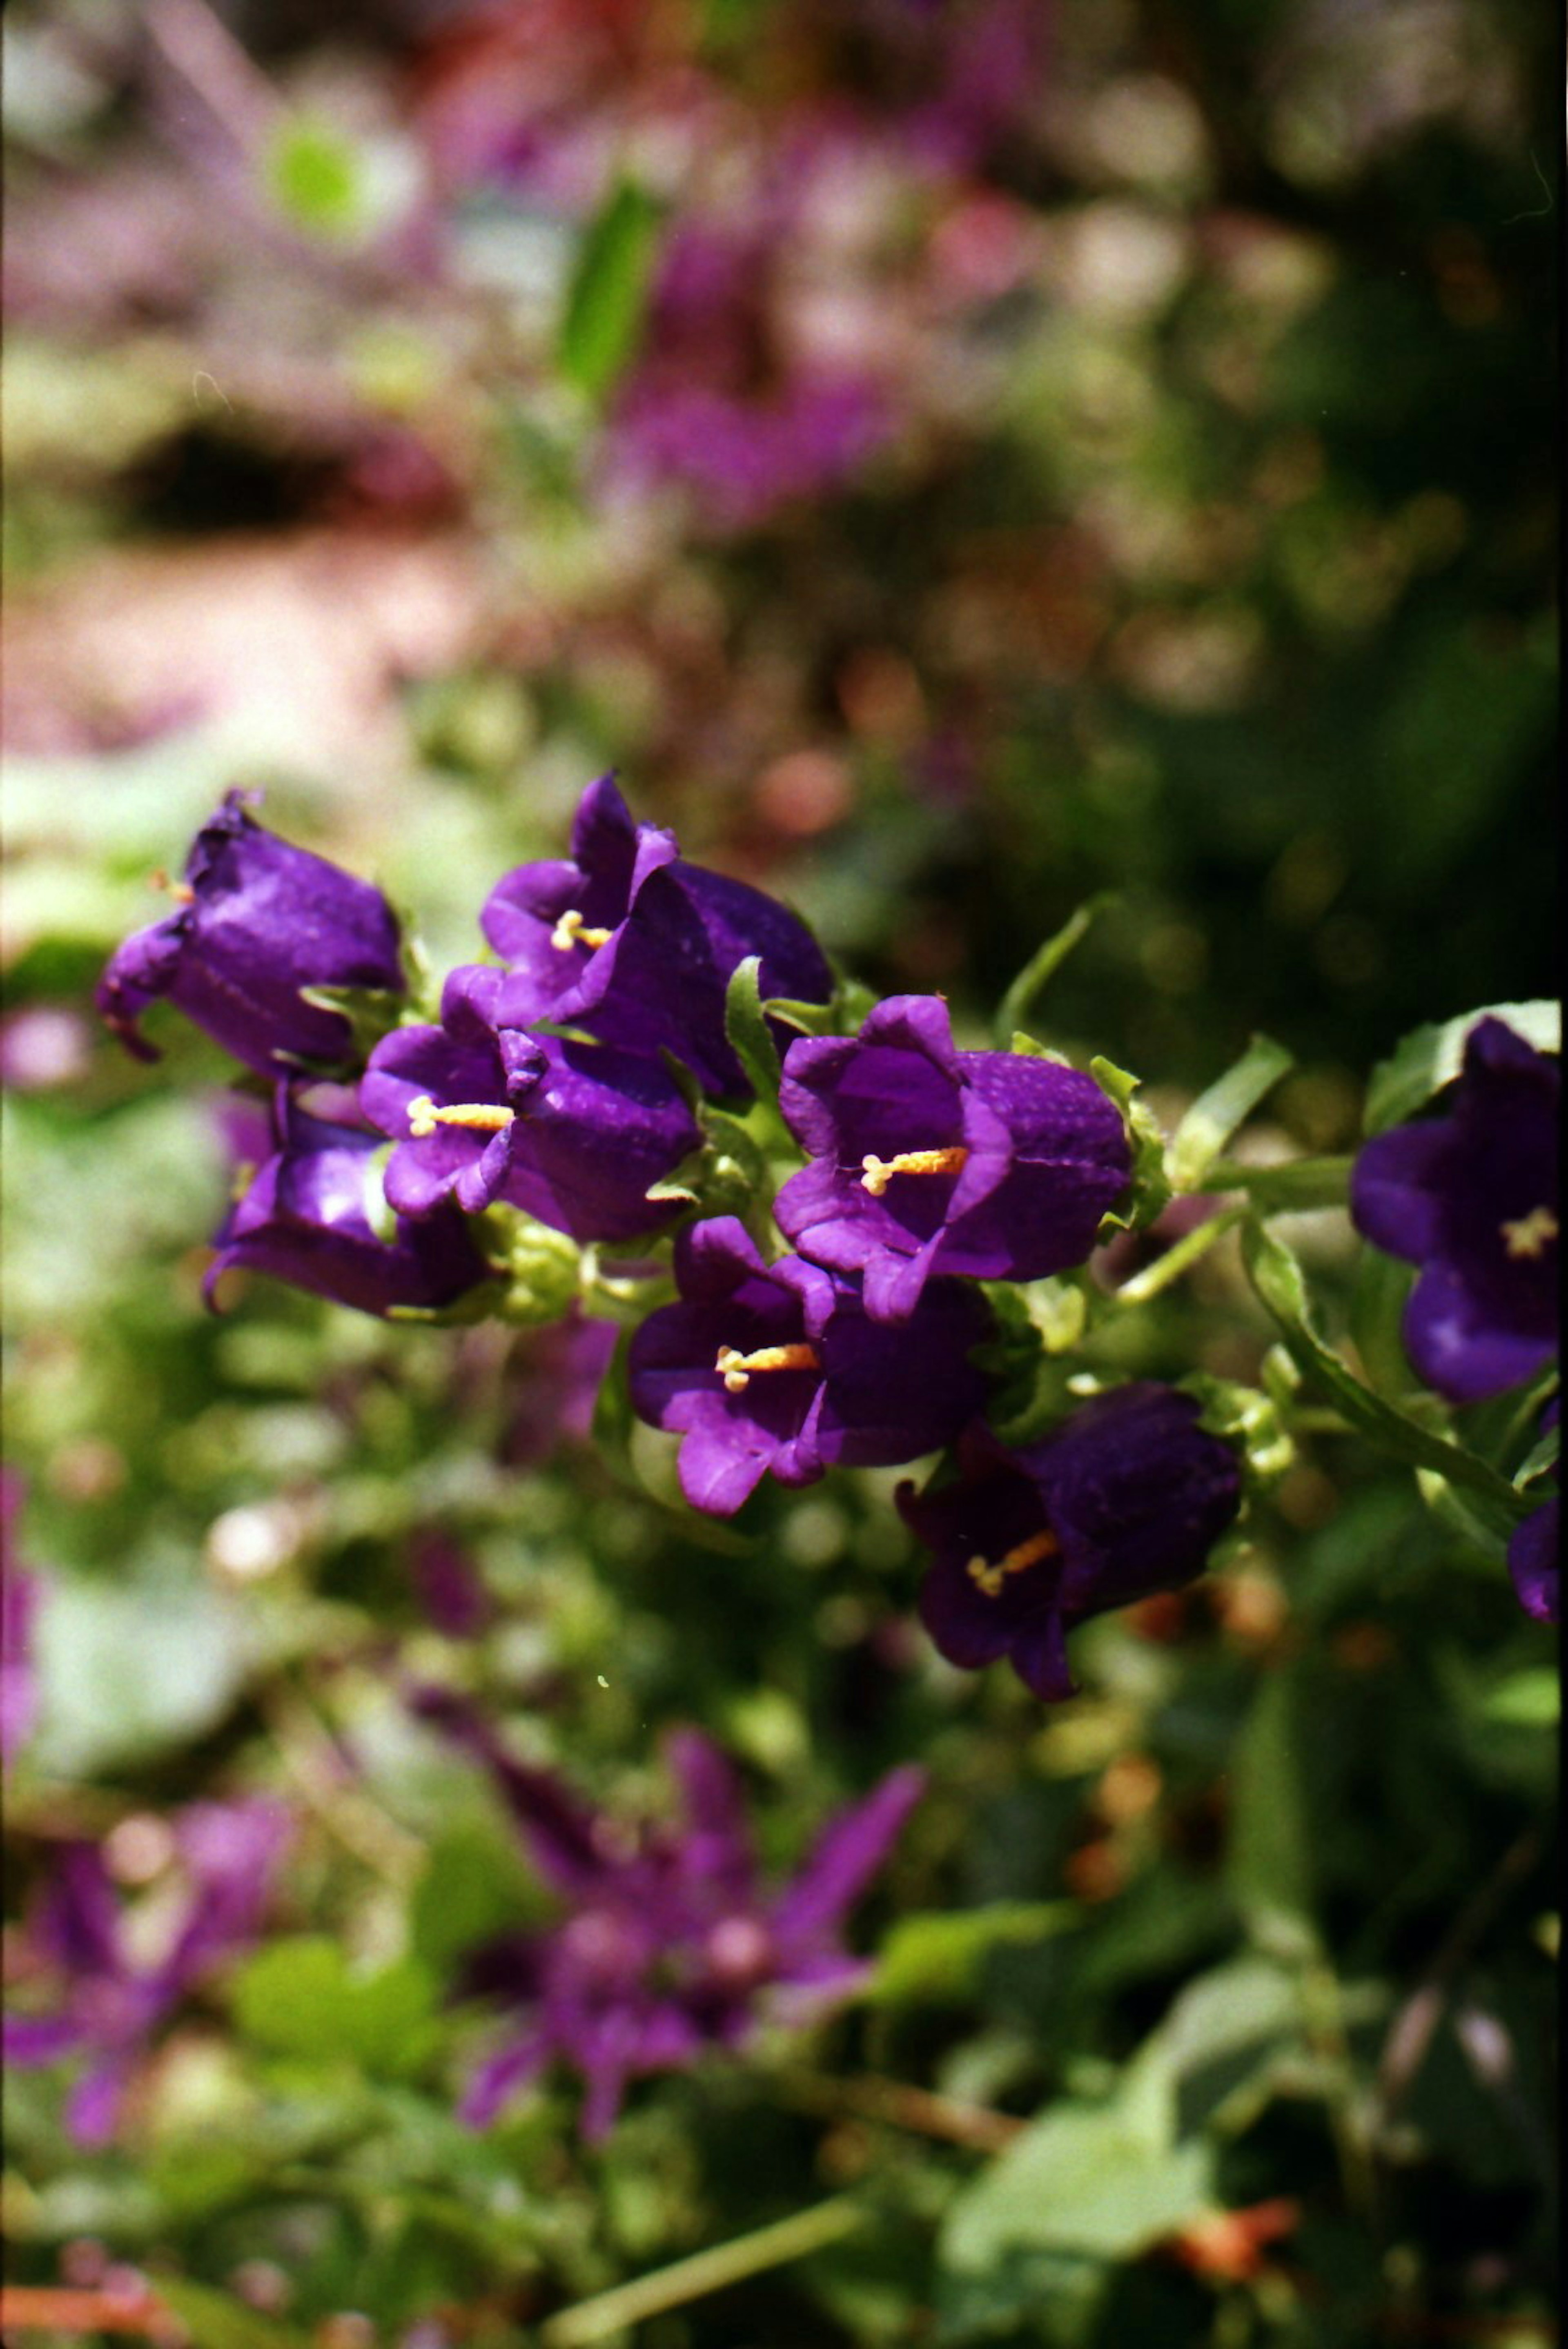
x=846 y=1856
x=500 y=2076
x=1532 y=1561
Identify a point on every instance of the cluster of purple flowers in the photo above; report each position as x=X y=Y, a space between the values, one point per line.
x=1472 y=1197
x=568 y=1078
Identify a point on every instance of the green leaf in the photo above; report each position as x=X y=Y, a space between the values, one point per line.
x=1427 y=1059
x=299 y=1998
x=1528 y=1700
x=1085 y=2178
x=937 y=1956
x=608 y=295
x=1219 y=1110
x=216 y=2322
x=1271 y=1868
x=1150 y=1186
x=1044 y=964
x=1277 y=1276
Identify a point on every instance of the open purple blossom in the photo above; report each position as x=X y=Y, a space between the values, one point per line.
x=110 y=2003
x=776 y=1367
x=1126 y=1498
x=305 y=1217
x=258 y=920
x=1533 y=1551
x=670 y=1945
x=18 y=1607
x=1472 y=1197
x=928 y=1160
x=627 y=940
x=482 y=1111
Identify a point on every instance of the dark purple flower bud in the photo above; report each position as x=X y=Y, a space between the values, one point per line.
x=776 y=1367
x=1534 y=1557
x=1126 y=1498
x=927 y=1160
x=449 y=1585
x=258 y=920
x=633 y=944
x=1472 y=1197
x=305 y=1217
x=18 y=1605
x=482 y=1111
x=670 y=1945
x=111 y=2002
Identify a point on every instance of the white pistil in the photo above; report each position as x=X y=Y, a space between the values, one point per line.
x=1531 y=1235
x=735 y=1368
x=479 y=1117
x=571 y=931
x=880 y=1172
x=989 y=1580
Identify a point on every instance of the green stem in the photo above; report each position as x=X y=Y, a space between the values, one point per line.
x=1300 y=1183
x=1176 y=1261
x=1044 y=965
x=704 y=2272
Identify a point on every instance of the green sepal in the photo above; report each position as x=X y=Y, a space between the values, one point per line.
x=746 y=1030
x=1276 y=1275
x=481 y=1303
x=379 y=1213
x=372 y=1013
x=1044 y=964
x=1429 y=1057
x=1029 y=1048
x=1249 y=1418
x=543 y=1273
x=1221 y=1109
x=843 y=1014
x=1151 y=1190
x=726 y=1175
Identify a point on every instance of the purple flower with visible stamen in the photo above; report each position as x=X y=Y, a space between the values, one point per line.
x=670 y=1945
x=111 y=2002
x=1126 y=1498
x=258 y=921
x=482 y=1111
x=305 y=1218
x=776 y=1367
x=1472 y=1197
x=927 y=1160
x=633 y=944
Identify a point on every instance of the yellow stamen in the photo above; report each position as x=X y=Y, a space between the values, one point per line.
x=479 y=1117
x=1533 y=1233
x=880 y=1172
x=735 y=1368
x=180 y=891
x=571 y=931
x=989 y=1579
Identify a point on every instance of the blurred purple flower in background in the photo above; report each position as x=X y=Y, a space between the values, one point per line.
x=927 y=1160
x=1472 y=1197
x=19 y=1592
x=449 y=1585
x=258 y=920
x=776 y=1367
x=1535 y=1562
x=110 y=2003
x=1126 y=1498
x=670 y=1945
x=305 y=1217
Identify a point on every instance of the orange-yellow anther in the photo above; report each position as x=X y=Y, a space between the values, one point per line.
x=880 y=1172
x=1531 y=1235
x=571 y=930
x=735 y=1368
x=988 y=1579
x=180 y=891
x=479 y=1117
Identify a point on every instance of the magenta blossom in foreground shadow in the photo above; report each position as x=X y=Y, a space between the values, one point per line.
x=670 y=1945
x=1126 y=1498
x=110 y=2003
x=1472 y=1197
